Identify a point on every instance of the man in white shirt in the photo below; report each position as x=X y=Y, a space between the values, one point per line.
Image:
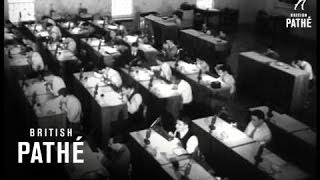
x=72 y=106
x=71 y=44
x=54 y=83
x=224 y=71
x=183 y=88
x=305 y=66
x=112 y=75
x=258 y=129
x=52 y=29
x=169 y=49
x=34 y=59
x=182 y=133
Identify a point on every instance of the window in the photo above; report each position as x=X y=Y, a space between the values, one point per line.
x=21 y=10
x=121 y=8
x=205 y=4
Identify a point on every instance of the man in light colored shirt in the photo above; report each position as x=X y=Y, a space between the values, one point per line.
x=182 y=133
x=224 y=71
x=52 y=29
x=70 y=44
x=112 y=75
x=54 y=83
x=303 y=65
x=34 y=59
x=169 y=49
x=183 y=88
x=165 y=71
x=132 y=98
x=72 y=106
x=257 y=128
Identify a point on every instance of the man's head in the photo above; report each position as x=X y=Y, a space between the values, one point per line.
x=134 y=46
x=115 y=144
x=257 y=117
x=47 y=75
x=175 y=79
x=127 y=88
x=29 y=51
x=224 y=69
x=182 y=124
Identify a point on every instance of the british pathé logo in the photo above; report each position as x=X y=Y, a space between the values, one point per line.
x=299 y=20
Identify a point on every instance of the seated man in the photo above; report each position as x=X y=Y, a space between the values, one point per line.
x=52 y=29
x=305 y=66
x=169 y=49
x=182 y=133
x=86 y=29
x=34 y=59
x=70 y=43
x=201 y=64
x=112 y=75
x=47 y=19
x=224 y=71
x=133 y=99
x=72 y=106
x=125 y=54
x=117 y=159
x=257 y=128
x=137 y=55
x=54 y=83
x=177 y=18
x=272 y=53
x=184 y=89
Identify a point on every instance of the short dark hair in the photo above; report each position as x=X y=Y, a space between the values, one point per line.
x=44 y=17
x=128 y=86
x=226 y=67
x=48 y=24
x=47 y=73
x=63 y=91
x=135 y=44
x=257 y=113
x=28 y=49
x=184 y=118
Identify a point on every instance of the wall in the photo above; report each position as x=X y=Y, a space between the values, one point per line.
x=94 y=6
x=247 y=8
x=272 y=7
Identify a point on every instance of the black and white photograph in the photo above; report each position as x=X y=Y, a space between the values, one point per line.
x=160 y=89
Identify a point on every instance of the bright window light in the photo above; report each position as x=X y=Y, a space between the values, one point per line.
x=121 y=8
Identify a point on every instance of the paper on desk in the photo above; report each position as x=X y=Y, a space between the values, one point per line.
x=110 y=98
x=43 y=34
x=163 y=89
x=141 y=74
x=93 y=81
x=19 y=61
x=112 y=27
x=65 y=55
x=131 y=39
x=35 y=87
x=76 y=30
x=187 y=68
x=109 y=49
